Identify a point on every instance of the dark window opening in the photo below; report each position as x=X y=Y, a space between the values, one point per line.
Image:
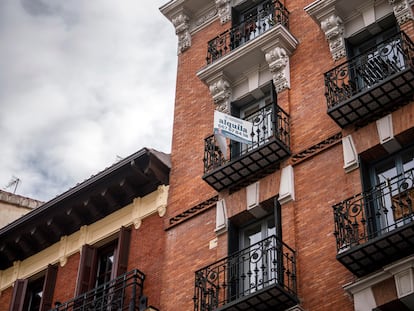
x=36 y=293
x=389 y=183
x=245 y=229
x=262 y=111
x=370 y=37
x=99 y=265
x=255 y=250
x=106 y=256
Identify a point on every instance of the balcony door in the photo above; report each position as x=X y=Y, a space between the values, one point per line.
x=262 y=113
x=251 y=19
x=392 y=181
x=376 y=56
x=260 y=262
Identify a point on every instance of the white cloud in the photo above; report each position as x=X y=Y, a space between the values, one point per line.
x=81 y=82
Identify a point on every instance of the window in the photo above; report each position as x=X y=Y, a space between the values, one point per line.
x=251 y=19
x=377 y=54
x=106 y=256
x=392 y=193
x=98 y=265
x=256 y=261
x=36 y=293
x=262 y=113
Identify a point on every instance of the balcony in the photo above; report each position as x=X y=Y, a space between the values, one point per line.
x=247 y=163
x=122 y=293
x=272 y=13
x=375 y=228
x=371 y=84
x=260 y=277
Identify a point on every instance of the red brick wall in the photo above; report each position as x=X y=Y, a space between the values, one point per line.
x=66 y=279
x=147 y=255
x=320 y=181
x=187 y=251
x=193 y=121
x=5 y=298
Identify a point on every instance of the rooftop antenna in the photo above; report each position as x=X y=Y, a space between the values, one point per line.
x=13 y=182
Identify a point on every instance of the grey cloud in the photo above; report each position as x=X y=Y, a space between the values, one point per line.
x=81 y=82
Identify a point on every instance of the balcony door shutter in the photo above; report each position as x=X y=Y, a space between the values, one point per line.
x=19 y=292
x=122 y=252
x=87 y=269
x=48 y=288
x=273 y=100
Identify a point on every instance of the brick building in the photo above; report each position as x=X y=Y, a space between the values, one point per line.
x=92 y=247
x=314 y=212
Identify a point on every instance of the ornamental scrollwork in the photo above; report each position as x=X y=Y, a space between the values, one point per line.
x=182 y=30
x=402 y=10
x=333 y=27
x=278 y=61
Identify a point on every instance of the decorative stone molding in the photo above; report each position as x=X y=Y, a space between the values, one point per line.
x=386 y=134
x=182 y=30
x=324 y=13
x=161 y=200
x=224 y=10
x=317 y=148
x=221 y=217
x=155 y=202
x=278 y=61
x=199 y=13
x=334 y=30
x=362 y=290
x=403 y=276
x=221 y=92
x=351 y=161
x=404 y=282
x=63 y=258
x=191 y=212
x=203 y=20
x=402 y=10
x=252 y=200
x=287 y=185
x=245 y=60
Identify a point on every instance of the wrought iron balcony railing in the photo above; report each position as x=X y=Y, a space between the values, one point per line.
x=381 y=219
x=122 y=293
x=265 y=272
x=270 y=122
x=366 y=84
x=272 y=13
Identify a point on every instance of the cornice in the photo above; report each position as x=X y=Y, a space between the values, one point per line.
x=278 y=35
x=132 y=214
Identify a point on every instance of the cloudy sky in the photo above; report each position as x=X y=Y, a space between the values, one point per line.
x=82 y=83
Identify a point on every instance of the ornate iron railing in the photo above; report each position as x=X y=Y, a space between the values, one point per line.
x=366 y=70
x=371 y=214
x=122 y=293
x=267 y=263
x=272 y=13
x=269 y=122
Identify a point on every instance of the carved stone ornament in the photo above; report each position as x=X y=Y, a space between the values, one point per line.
x=220 y=90
x=182 y=30
x=224 y=10
x=333 y=28
x=278 y=61
x=402 y=10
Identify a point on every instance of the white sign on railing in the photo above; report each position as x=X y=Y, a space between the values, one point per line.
x=232 y=127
